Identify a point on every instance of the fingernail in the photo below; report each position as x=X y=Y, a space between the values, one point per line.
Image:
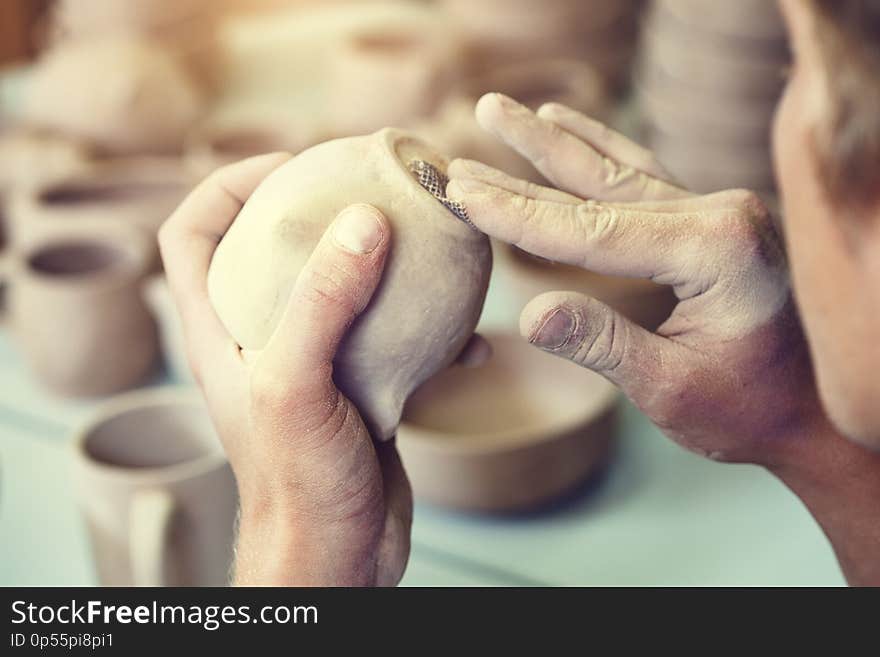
x=460 y=186
x=556 y=329
x=357 y=229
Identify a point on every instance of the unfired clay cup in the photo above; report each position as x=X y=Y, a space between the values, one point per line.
x=389 y=77
x=156 y=492
x=642 y=301
x=511 y=435
x=171 y=339
x=218 y=143
x=533 y=83
x=77 y=312
x=138 y=192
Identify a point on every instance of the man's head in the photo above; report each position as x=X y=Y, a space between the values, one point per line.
x=826 y=143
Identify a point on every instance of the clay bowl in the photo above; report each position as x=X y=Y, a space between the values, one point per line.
x=609 y=51
x=533 y=83
x=512 y=435
x=454 y=130
x=508 y=21
x=381 y=77
x=217 y=143
x=644 y=302
x=77 y=312
x=141 y=192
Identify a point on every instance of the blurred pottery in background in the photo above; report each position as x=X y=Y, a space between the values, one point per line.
x=512 y=435
x=171 y=339
x=28 y=158
x=432 y=290
x=77 y=312
x=122 y=95
x=599 y=32
x=644 y=302
x=566 y=81
x=88 y=18
x=387 y=77
x=227 y=139
x=136 y=192
x=455 y=129
x=708 y=118
x=736 y=166
x=754 y=20
x=156 y=492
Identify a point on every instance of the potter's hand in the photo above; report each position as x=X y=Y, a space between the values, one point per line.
x=320 y=502
x=727 y=375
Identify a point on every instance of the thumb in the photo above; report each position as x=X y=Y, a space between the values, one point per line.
x=332 y=289
x=589 y=333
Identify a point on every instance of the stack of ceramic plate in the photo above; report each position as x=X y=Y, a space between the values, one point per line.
x=708 y=80
x=600 y=32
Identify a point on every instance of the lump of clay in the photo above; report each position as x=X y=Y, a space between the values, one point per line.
x=432 y=291
x=124 y=95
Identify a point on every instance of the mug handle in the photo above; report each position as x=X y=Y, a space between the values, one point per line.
x=149 y=526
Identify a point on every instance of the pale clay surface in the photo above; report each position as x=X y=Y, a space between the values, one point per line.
x=432 y=290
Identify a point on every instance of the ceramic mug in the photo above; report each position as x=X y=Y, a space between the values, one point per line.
x=156 y=491
x=140 y=192
x=76 y=308
x=171 y=338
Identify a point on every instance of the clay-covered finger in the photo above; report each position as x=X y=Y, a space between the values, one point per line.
x=609 y=239
x=566 y=160
x=187 y=241
x=592 y=335
x=333 y=288
x=462 y=168
x=605 y=140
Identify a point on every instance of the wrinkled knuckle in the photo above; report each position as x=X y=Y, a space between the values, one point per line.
x=750 y=230
x=598 y=223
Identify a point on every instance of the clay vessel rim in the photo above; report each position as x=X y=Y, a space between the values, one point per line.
x=510 y=440
x=131 y=244
x=150 y=399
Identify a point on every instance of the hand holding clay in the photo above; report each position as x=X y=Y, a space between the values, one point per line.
x=728 y=375
x=320 y=502
x=427 y=305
